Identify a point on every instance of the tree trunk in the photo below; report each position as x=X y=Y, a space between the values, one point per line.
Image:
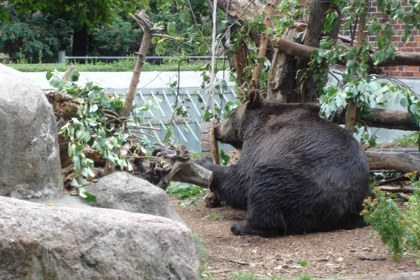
x=282 y=78
x=144 y=22
x=80 y=42
x=361 y=37
x=240 y=62
x=307 y=88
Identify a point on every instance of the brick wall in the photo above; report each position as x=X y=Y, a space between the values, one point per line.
x=412 y=45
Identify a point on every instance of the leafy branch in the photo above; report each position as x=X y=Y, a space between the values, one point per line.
x=98 y=125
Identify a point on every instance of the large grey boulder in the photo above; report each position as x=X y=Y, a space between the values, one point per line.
x=48 y=242
x=29 y=155
x=123 y=191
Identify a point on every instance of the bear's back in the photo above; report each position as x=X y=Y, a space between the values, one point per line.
x=302 y=140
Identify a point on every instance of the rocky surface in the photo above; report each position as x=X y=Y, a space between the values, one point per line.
x=123 y=191
x=49 y=242
x=30 y=164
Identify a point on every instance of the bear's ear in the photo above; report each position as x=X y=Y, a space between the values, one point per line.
x=255 y=99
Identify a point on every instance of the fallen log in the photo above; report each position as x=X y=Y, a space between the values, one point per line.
x=396 y=189
x=383 y=118
x=399 y=161
x=173 y=163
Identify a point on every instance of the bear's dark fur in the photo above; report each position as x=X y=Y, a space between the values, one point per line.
x=296 y=173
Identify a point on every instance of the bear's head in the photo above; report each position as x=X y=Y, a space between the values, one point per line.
x=232 y=130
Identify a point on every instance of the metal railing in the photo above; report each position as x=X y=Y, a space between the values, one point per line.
x=63 y=58
x=187 y=130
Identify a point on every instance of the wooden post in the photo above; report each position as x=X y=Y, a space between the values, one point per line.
x=361 y=37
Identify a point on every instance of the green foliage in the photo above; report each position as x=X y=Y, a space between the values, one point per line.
x=385 y=217
x=399 y=228
x=189 y=25
x=214 y=217
x=244 y=276
x=35 y=37
x=252 y=276
x=87 y=12
x=305 y=277
x=204 y=273
x=240 y=38
x=303 y=263
x=110 y=29
x=116 y=66
x=365 y=91
x=190 y=194
x=118 y=38
x=289 y=12
x=409 y=140
x=96 y=125
x=219 y=88
x=224 y=158
x=356 y=84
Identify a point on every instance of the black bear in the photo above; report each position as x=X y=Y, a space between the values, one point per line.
x=296 y=173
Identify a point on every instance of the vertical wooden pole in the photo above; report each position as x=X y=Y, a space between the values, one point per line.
x=351 y=113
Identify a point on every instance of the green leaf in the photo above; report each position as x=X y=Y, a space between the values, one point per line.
x=160 y=50
x=207 y=115
x=74 y=183
x=155 y=40
x=93 y=108
x=49 y=75
x=171 y=28
x=87 y=172
x=169 y=134
x=86 y=136
x=74 y=76
x=224 y=158
x=304 y=263
x=89 y=197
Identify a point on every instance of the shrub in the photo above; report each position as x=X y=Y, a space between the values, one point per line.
x=399 y=227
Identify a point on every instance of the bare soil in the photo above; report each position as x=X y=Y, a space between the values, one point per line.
x=349 y=254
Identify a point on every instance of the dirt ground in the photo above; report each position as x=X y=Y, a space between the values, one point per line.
x=349 y=254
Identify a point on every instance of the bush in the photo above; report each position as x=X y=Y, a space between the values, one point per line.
x=410 y=140
x=399 y=227
x=34 y=38
x=116 y=39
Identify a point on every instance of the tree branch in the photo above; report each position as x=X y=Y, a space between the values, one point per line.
x=241 y=10
x=269 y=10
x=302 y=51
